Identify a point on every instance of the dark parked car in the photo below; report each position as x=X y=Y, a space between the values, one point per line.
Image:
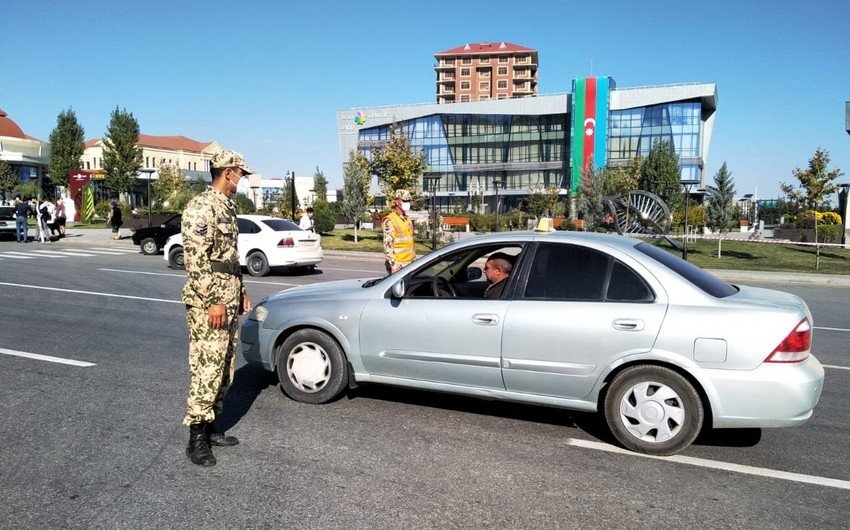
x=7 y=220
x=152 y=238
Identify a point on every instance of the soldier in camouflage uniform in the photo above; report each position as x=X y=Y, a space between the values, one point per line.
x=214 y=296
x=398 y=234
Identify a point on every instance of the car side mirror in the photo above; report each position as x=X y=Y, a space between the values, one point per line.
x=398 y=289
x=473 y=273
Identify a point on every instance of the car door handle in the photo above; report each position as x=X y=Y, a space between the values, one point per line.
x=485 y=319
x=628 y=324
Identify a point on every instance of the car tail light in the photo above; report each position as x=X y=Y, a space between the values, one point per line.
x=286 y=242
x=796 y=346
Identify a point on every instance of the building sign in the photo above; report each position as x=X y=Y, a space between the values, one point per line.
x=350 y=123
x=590 y=126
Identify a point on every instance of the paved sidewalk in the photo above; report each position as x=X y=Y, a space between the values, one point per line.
x=103 y=236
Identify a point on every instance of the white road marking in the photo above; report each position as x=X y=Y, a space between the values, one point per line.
x=98 y=251
x=714 y=464
x=47 y=358
x=109 y=295
x=61 y=253
x=116 y=250
x=35 y=254
x=836 y=367
x=183 y=276
x=17 y=255
x=833 y=329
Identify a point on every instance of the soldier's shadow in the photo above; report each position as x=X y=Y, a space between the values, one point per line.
x=248 y=382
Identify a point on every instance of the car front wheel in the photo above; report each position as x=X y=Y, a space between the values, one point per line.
x=653 y=410
x=175 y=258
x=311 y=367
x=257 y=264
x=149 y=247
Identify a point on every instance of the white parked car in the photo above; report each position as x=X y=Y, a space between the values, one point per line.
x=264 y=242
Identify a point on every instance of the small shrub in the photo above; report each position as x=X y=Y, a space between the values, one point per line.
x=828 y=233
x=568 y=225
x=830 y=218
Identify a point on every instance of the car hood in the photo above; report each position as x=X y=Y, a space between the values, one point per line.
x=336 y=289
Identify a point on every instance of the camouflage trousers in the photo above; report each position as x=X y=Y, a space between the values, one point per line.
x=212 y=361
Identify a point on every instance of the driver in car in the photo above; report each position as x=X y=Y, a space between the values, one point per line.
x=497 y=269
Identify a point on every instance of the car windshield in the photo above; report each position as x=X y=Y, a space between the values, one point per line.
x=281 y=225
x=707 y=282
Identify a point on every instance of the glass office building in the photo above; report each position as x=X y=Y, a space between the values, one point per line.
x=507 y=149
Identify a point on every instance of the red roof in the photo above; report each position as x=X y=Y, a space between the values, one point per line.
x=9 y=128
x=172 y=143
x=486 y=47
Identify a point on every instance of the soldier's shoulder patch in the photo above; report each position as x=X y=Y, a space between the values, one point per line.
x=201 y=229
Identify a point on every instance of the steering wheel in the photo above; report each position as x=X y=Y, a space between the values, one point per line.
x=442 y=288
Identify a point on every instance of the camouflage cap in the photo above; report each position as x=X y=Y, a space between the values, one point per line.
x=402 y=194
x=228 y=158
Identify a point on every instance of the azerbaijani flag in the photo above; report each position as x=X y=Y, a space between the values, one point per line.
x=88 y=204
x=590 y=126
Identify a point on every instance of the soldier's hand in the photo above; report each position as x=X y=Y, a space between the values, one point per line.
x=246 y=305
x=218 y=316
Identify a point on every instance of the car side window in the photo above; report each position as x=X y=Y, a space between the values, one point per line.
x=247 y=226
x=567 y=272
x=626 y=286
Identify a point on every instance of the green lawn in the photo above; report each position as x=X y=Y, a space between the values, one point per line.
x=736 y=254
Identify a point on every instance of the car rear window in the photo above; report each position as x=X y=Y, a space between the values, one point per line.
x=705 y=281
x=280 y=225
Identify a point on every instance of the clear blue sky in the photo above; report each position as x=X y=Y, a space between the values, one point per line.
x=267 y=77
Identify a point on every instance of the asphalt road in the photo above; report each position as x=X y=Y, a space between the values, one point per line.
x=101 y=445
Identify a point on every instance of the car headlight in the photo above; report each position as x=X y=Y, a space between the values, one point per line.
x=259 y=313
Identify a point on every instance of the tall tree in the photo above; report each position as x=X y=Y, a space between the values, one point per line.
x=285 y=200
x=721 y=206
x=353 y=194
x=67 y=143
x=122 y=157
x=816 y=183
x=8 y=179
x=396 y=163
x=659 y=173
x=320 y=185
x=618 y=180
x=169 y=183
x=590 y=200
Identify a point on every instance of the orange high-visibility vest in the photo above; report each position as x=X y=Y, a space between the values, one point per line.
x=402 y=238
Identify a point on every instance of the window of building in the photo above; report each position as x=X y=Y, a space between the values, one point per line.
x=504 y=59
x=464 y=98
x=464 y=85
x=502 y=96
x=448 y=62
x=484 y=60
x=464 y=72
x=484 y=74
x=503 y=70
x=466 y=60
x=502 y=83
x=483 y=98
x=484 y=85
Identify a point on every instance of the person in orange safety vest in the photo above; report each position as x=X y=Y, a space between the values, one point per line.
x=398 y=234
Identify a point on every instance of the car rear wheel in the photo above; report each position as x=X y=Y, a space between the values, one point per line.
x=653 y=410
x=257 y=264
x=175 y=258
x=149 y=246
x=311 y=367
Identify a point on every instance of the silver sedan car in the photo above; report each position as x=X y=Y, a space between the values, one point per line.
x=588 y=322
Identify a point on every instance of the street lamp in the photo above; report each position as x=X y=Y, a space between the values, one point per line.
x=686 y=183
x=432 y=186
x=148 y=172
x=843 y=210
x=292 y=195
x=496 y=184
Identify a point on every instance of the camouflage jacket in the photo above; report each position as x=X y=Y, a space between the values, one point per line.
x=210 y=235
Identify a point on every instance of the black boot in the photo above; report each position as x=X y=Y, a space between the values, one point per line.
x=218 y=438
x=198 y=449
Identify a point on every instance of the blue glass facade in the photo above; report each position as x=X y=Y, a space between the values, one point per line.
x=631 y=132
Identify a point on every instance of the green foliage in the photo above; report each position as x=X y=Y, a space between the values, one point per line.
x=67 y=143
x=590 y=198
x=567 y=225
x=696 y=216
x=323 y=217
x=122 y=158
x=320 y=185
x=170 y=182
x=28 y=189
x=816 y=182
x=722 y=214
x=659 y=173
x=243 y=204
x=828 y=234
x=353 y=194
x=829 y=218
x=619 y=180
x=541 y=202
x=396 y=164
x=8 y=179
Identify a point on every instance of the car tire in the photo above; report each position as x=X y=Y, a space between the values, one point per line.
x=311 y=367
x=149 y=246
x=257 y=263
x=653 y=410
x=175 y=258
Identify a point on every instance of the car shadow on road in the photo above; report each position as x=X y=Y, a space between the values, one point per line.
x=248 y=382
